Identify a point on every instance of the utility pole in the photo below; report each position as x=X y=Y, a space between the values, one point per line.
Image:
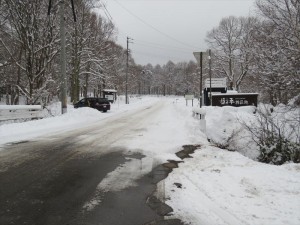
x=127 y=53
x=201 y=59
x=209 y=58
x=63 y=87
x=63 y=79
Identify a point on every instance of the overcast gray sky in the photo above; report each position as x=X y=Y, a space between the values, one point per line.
x=165 y=30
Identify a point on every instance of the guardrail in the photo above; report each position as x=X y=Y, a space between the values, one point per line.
x=14 y=112
x=200 y=112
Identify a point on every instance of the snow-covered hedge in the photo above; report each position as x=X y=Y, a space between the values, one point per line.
x=268 y=134
x=277 y=133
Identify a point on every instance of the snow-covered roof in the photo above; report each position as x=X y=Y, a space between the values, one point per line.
x=13 y=107
x=110 y=90
x=233 y=93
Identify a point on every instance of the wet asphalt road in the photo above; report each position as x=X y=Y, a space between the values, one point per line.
x=48 y=181
x=52 y=184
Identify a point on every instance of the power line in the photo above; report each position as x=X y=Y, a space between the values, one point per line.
x=110 y=18
x=106 y=12
x=149 y=25
x=159 y=55
x=149 y=44
x=105 y=9
x=163 y=48
x=160 y=46
x=184 y=0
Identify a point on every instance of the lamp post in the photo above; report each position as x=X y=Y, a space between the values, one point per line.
x=209 y=59
x=127 y=54
x=199 y=58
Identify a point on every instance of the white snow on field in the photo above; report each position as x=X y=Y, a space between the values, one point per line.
x=218 y=187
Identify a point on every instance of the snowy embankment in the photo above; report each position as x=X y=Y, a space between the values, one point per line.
x=218 y=187
x=226 y=188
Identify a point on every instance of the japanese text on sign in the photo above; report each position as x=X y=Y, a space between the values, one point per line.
x=233 y=101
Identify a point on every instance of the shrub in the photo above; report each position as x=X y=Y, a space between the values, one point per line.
x=276 y=132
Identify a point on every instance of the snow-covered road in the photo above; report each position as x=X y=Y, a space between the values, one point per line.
x=216 y=186
x=80 y=175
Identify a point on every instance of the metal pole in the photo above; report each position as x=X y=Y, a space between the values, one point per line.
x=209 y=58
x=201 y=54
x=63 y=87
x=126 y=93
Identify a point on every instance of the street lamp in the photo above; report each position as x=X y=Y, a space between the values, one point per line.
x=209 y=62
x=199 y=58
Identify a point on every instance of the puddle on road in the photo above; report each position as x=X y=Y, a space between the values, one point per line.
x=120 y=207
x=17 y=142
x=160 y=173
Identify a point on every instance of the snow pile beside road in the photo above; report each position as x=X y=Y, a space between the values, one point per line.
x=73 y=119
x=224 y=128
x=31 y=129
x=226 y=188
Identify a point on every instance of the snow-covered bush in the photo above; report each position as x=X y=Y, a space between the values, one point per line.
x=228 y=140
x=224 y=129
x=277 y=133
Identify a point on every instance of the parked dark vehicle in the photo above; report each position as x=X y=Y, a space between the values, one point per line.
x=102 y=104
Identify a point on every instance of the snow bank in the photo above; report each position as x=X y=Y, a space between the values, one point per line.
x=226 y=188
x=224 y=128
x=73 y=119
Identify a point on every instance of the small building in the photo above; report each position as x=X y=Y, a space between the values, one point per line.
x=218 y=85
x=110 y=94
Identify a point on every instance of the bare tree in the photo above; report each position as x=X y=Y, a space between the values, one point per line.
x=91 y=49
x=30 y=45
x=231 y=44
x=277 y=49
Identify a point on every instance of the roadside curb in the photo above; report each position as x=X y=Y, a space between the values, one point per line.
x=156 y=201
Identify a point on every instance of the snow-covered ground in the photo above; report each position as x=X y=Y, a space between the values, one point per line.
x=218 y=187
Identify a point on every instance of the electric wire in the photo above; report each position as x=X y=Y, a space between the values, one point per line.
x=183 y=0
x=110 y=18
x=156 y=45
x=167 y=57
x=109 y=15
x=146 y=43
x=154 y=28
x=162 y=48
x=106 y=12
